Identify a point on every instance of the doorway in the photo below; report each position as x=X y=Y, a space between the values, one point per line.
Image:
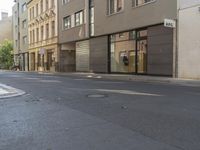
x=49 y=60
x=141 y=51
x=32 y=61
x=142 y=56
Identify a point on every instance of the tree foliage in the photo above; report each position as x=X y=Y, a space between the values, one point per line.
x=6 y=55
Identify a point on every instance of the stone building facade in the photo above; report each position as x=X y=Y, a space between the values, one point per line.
x=43 y=35
x=20 y=34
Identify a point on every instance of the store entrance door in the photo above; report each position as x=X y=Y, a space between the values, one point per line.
x=49 y=60
x=32 y=61
x=141 y=52
x=142 y=56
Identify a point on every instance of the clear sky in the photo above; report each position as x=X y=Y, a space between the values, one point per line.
x=6 y=5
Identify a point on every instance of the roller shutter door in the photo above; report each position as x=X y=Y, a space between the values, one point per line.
x=82 y=56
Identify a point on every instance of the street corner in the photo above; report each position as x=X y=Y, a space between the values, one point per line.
x=8 y=91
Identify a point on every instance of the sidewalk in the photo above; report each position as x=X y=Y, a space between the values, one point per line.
x=140 y=78
x=7 y=91
x=126 y=77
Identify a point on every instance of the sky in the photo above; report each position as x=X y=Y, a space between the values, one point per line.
x=6 y=5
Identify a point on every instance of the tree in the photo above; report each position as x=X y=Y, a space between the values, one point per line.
x=6 y=55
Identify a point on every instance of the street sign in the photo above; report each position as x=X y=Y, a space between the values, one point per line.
x=170 y=23
x=42 y=51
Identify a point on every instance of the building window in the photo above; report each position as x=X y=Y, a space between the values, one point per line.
x=78 y=18
x=15 y=43
x=115 y=6
x=33 y=13
x=25 y=40
x=91 y=11
x=15 y=14
x=128 y=52
x=24 y=24
x=52 y=3
x=24 y=7
x=47 y=31
x=16 y=28
x=37 y=34
x=31 y=37
x=33 y=32
x=42 y=33
x=67 y=22
x=47 y=4
x=121 y=35
x=122 y=52
x=36 y=9
x=41 y=6
x=66 y=1
x=53 y=28
x=141 y=2
x=30 y=13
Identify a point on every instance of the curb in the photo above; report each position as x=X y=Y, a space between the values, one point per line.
x=124 y=77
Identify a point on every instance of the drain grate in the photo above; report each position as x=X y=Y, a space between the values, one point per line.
x=96 y=95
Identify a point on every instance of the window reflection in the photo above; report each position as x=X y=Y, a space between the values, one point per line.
x=122 y=53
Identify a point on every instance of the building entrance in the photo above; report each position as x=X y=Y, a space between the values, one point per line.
x=142 y=56
x=128 y=52
x=32 y=61
x=141 y=51
x=49 y=60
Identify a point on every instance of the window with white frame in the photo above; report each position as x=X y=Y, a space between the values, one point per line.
x=47 y=31
x=78 y=18
x=67 y=22
x=33 y=12
x=33 y=34
x=66 y=1
x=37 y=8
x=115 y=6
x=16 y=43
x=42 y=33
x=47 y=4
x=24 y=24
x=41 y=6
x=91 y=20
x=24 y=39
x=141 y=2
x=24 y=7
x=37 y=34
x=52 y=28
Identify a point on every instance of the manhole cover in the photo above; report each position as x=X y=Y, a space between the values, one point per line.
x=96 y=95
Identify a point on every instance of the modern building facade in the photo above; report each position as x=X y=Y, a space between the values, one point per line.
x=43 y=35
x=5 y=27
x=20 y=34
x=147 y=37
x=188 y=39
x=138 y=41
x=74 y=35
x=118 y=36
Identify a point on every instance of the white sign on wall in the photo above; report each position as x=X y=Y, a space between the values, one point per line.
x=42 y=51
x=170 y=23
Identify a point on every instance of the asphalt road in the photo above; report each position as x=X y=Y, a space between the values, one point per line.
x=71 y=113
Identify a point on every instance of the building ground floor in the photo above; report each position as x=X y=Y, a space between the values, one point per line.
x=146 y=50
x=44 y=58
x=22 y=61
x=150 y=50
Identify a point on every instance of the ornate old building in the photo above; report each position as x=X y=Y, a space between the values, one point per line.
x=43 y=35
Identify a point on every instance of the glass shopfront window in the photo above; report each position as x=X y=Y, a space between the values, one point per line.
x=123 y=52
x=128 y=51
